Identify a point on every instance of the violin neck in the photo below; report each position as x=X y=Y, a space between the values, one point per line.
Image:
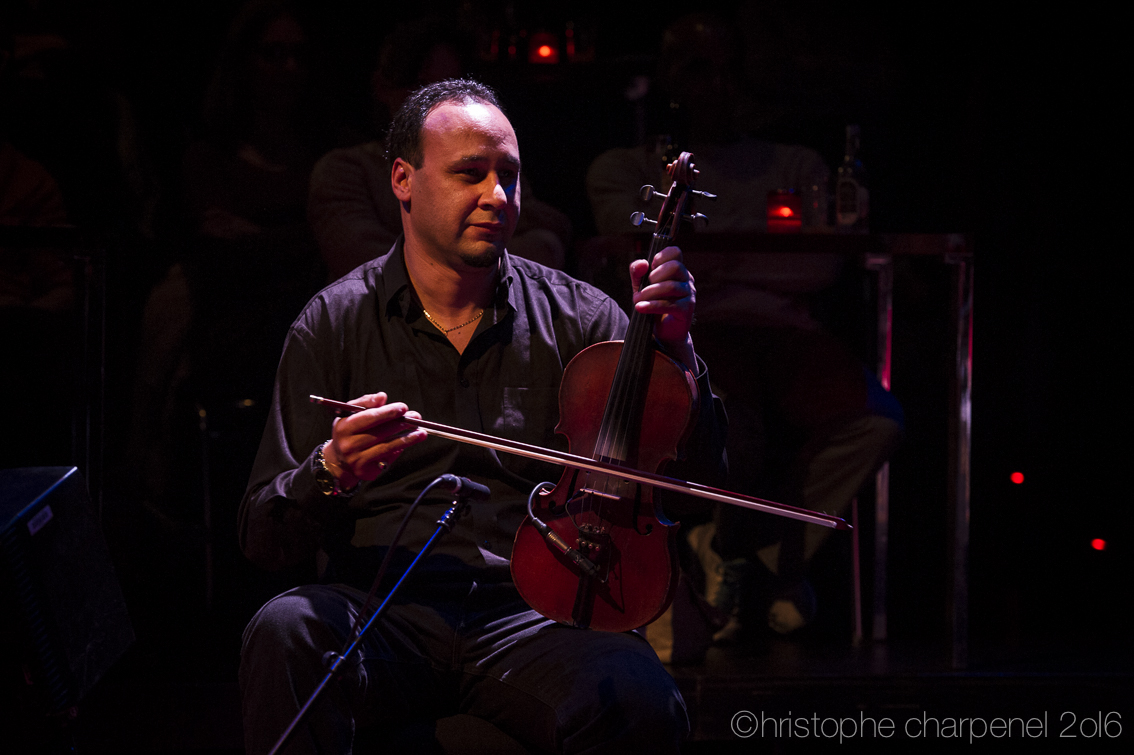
x=617 y=438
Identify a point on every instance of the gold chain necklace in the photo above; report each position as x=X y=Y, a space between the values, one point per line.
x=447 y=331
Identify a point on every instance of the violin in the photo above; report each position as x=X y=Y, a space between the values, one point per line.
x=596 y=551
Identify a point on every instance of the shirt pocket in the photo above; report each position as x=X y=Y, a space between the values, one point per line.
x=528 y=415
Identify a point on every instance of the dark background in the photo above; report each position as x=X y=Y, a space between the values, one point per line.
x=1000 y=124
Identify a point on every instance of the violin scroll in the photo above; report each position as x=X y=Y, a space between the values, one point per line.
x=674 y=202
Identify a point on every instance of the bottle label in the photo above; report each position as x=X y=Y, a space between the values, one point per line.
x=846 y=201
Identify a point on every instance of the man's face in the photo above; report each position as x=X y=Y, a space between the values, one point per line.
x=461 y=205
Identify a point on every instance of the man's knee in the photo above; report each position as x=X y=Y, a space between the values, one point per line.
x=294 y=626
x=281 y=664
x=636 y=707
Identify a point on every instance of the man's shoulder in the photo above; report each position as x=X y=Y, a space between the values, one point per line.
x=564 y=310
x=621 y=160
x=534 y=275
x=798 y=154
x=777 y=158
x=364 y=156
x=348 y=302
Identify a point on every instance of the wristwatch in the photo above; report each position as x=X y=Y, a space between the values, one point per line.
x=325 y=479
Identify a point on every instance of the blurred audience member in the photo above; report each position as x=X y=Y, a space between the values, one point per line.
x=808 y=425
x=352 y=209
x=211 y=328
x=37 y=297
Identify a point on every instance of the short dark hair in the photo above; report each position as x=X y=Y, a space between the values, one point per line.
x=404 y=138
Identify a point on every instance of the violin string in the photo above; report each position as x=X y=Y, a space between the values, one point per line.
x=631 y=366
x=614 y=434
x=638 y=342
x=616 y=411
x=634 y=344
x=615 y=443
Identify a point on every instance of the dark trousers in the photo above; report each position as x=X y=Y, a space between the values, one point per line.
x=467 y=648
x=807 y=427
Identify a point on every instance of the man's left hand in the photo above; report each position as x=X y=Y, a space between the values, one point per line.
x=670 y=294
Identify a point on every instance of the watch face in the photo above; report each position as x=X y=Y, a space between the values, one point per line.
x=325 y=481
x=323 y=477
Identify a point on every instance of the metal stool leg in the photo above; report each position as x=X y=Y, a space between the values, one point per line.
x=856 y=574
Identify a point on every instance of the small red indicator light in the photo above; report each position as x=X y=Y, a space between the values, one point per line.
x=543 y=47
x=1098 y=544
x=1018 y=477
x=784 y=206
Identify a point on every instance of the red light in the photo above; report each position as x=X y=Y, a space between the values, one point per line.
x=1098 y=544
x=1018 y=477
x=783 y=211
x=543 y=47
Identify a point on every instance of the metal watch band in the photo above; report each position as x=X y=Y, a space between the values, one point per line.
x=325 y=478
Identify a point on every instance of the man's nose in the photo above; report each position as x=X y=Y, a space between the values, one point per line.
x=494 y=195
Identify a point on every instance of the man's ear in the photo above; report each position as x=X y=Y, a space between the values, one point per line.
x=401 y=180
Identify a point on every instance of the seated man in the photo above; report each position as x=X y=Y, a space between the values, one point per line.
x=452 y=325
x=809 y=424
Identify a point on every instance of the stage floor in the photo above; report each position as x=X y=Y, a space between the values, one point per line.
x=769 y=695
x=785 y=693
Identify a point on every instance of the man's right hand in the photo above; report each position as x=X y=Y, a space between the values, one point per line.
x=363 y=445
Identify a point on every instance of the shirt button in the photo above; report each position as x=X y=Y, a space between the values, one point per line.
x=464 y=382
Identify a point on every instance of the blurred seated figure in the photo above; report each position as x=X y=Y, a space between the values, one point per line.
x=66 y=137
x=37 y=298
x=808 y=424
x=35 y=278
x=353 y=212
x=211 y=328
x=246 y=183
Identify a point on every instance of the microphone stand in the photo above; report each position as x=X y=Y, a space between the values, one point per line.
x=332 y=660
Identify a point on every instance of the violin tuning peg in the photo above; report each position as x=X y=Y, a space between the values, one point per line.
x=638 y=218
x=697 y=219
x=704 y=194
x=646 y=193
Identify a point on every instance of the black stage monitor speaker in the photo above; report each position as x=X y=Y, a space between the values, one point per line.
x=64 y=591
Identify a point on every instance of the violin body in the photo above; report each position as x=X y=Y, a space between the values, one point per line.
x=614 y=523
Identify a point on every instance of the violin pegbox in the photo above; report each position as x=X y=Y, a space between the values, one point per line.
x=674 y=202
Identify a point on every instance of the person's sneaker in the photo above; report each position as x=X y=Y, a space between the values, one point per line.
x=732 y=585
x=700 y=540
x=793 y=608
x=725 y=581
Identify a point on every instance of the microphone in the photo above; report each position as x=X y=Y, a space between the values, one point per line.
x=464 y=487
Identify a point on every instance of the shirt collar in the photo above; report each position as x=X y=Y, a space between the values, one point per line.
x=393 y=279
x=505 y=291
x=396 y=289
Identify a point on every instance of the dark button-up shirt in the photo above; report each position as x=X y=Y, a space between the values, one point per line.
x=366 y=333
